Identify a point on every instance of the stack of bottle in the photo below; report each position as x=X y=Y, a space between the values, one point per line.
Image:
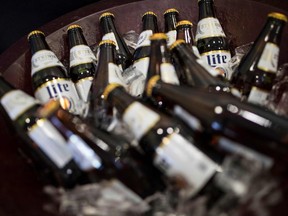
x=185 y=110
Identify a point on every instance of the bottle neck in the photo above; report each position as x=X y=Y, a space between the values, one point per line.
x=120 y=99
x=4 y=87
x=206 y=9
x=185 y=33
x=272 y=31
x=76 y=37
x=37 y=42
x=150 y=23
x=107 y=25
x=171 y=20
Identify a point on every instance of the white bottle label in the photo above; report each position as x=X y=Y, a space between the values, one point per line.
x=269 y=59
x=218 y=60
x=83 y=155
x=83 y=87
x=115 y=74
x=209 y=27
x=51 y=142
x=16 y=102
x=144 y=39
x=258 y=96
x=171 y=35
x=142 y=65
x=62 y=89
x=168 y=74
x=81 y=54
x=111 y=36
x=177 y=157
x=44 y=59
x=140 y=119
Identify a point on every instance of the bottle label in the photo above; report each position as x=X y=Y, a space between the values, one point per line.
x=44 y=59
x=83 y=87
x=111 y=36
x=269 y=58
x=81 y=54
x=62 y=89
x=142 y=65
x=258 y=96
x=171 y=35
x=115 y=74
x=207 y=67
x=16 y=102
x=236 y=148
x=140 y=119
x=83 y=155
x=144 y=39
x=219 y=61
x=168 y=74
x=51 y=142
x=179 y=158
x=209 y=27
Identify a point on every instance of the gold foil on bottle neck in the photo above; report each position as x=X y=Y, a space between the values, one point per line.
x=171 y=10
x=149 y=13
x=34 y=33
x=73 y=26
x=176 y=43
x=184 y=22
x=109 y=88
x=107 y=42
x=158 y=36
x=151 y=83
x=279 y=16
x=106 y=14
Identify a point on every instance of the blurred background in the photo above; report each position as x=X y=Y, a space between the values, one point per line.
x=18 y=18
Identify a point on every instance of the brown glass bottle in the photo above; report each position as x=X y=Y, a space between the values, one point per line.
x=82 y=64
x=211 y=40
x=227 y=124
x=44 y=143
x=107 y=72
x=185 y=32
x=110 y=32
x=257 y=70
x=164 y=140
x=170 y=20
x=195 y=72
x=49 y=76
x=103 y=155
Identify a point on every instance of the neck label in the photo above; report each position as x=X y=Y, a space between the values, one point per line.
x=44 y=59
x=171 y=35
x=111 y=36
x=258 y=96
x=209 y=27
x=81 y=54
x=168 y=74
x=16 y=102
x=143 y=39
x=269 y=58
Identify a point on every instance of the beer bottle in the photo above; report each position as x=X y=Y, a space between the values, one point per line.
x=103 y=155
x=170 y=21
x=211 y=40
x=164 y=141
x=227 y=124
x=49 y=76
x=142 y=51
x=110 y=32
x=257 y=70
x=195 y=72
x=44 y=143
x=184 y=32
x=82 y=63
x=107 y=72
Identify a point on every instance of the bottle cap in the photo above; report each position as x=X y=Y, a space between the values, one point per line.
x=110 y=88
x=73 y=26
x=171 y=10
x=107 y=42
x=106 y=14
x=34 y=33
x=151 y=83
x=149 y=13
x=184 y=22
x=176 y=43
x=48 y=108
x=158 y=36
x=279 y=16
